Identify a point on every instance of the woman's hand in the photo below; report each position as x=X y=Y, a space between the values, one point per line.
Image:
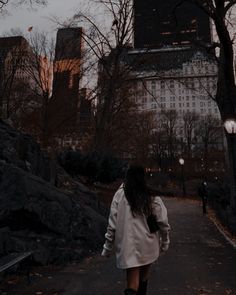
x=105 y=253
x=164 y=247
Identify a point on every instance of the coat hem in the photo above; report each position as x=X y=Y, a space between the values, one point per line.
x=137 y=264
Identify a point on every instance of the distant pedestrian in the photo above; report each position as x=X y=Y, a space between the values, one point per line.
x=138 y=227
x=202 y=192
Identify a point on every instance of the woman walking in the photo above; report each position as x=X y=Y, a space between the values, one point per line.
x=138 y=227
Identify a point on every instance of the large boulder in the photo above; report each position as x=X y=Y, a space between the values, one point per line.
x=58 y=224
x=22 y=151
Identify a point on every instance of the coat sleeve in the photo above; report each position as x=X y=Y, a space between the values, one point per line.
x=111 y=228
x=162 y=219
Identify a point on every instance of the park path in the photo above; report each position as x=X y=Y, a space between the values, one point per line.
x=199 y=262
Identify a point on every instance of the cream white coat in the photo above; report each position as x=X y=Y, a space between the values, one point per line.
x=134 y=244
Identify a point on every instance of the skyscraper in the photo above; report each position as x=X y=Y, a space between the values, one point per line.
x=16 y=82
x=66 y=83
x=161 y=23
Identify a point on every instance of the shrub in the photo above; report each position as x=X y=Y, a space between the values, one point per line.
x=97 y=166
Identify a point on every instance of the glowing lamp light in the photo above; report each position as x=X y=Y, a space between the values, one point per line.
x=181 y=161
x=230 y=126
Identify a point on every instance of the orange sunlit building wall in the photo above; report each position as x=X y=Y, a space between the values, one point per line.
x=66 y=81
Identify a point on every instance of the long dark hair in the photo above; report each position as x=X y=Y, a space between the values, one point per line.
x=136 y=190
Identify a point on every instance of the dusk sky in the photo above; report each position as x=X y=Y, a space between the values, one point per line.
x=22 y=18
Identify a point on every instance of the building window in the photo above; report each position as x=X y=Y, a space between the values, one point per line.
x=162 y=84
x=154 y=106
x=163 y=98
x=172 y=84
x=144 y=92
x=153 y=91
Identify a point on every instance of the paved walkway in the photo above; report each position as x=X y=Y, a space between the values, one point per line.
x=200 y=262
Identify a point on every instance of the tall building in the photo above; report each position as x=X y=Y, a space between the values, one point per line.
x=158 y=24
x=181 y=79
x=17 y=85
x=66 y=82
x=84 y=118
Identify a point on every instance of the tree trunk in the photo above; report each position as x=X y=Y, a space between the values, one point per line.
x=231 y=142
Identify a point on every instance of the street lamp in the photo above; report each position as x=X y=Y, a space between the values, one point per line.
x=181 y=161
x=230 y=127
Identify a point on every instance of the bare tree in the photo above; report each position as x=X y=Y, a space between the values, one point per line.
x=4 y=3
x=53 y=76
x=220 y=12
x=159 y=147
x=14 y=86
x=40 y=70
x=168 y=124
x=209 y=135
x=108 y=48
x=142 y=136
x=190 y=121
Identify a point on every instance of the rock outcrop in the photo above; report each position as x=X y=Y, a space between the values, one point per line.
x=58 y=225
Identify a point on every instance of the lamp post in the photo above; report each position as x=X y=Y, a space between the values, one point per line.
x=230 y=127
x=181 y=161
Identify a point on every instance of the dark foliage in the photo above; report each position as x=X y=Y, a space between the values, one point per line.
x=97 y=166
x=218 y=195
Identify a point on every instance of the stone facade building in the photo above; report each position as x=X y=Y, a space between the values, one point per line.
x=183 y=79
